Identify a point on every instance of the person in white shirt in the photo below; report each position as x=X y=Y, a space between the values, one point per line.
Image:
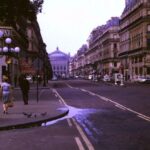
x=5 y=94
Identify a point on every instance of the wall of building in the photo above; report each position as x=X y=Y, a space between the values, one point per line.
x=123 y=47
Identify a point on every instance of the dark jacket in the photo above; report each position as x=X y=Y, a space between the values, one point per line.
x=24 y=84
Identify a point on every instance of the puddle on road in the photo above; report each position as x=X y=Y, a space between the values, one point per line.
x=81 y=116
x=72 y=113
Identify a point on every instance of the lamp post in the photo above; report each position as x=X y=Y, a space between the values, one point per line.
x=44 y=77
x=7 y=51
x=44 y=71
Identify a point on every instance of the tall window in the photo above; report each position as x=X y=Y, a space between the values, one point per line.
x=148 y=71
x=148 y=28
x=57 y=67
x=148 y=43
x=64 y=67
x=115 y=49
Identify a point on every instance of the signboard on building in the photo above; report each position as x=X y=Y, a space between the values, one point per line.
x=7 y=31
x=26 y=68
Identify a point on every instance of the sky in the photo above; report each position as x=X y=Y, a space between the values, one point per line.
x=67 y=24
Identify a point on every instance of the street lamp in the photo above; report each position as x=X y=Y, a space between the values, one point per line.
x=7 y=50
x=44 y=70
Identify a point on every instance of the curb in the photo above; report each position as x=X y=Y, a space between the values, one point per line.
x=33 y=123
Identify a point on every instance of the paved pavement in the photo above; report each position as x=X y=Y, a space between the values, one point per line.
x=33 y=114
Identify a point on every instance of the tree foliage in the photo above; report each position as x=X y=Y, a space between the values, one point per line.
x=11 y=10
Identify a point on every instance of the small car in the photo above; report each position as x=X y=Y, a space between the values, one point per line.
x=106 y=78
x=90 y=76
x=143 y=79
x=29 y=78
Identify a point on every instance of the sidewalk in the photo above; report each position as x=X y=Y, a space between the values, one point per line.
x=33 y=114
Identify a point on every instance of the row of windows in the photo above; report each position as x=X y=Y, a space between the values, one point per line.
x=59 y=67
x=137 y=59
x=59 y=73
x=141 y=70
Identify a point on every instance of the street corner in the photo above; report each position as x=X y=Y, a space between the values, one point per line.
x=22 y=116
x=64 y=110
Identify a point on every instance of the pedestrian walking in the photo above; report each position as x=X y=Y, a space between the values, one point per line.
x=15 y=80
x=5 y=91
x=25 y=87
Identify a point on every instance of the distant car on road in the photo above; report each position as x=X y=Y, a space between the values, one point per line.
x=143 y=79
x=76 y=76
x=54 y=78
x=29 y=78
x=106 y=78
x=90 y=76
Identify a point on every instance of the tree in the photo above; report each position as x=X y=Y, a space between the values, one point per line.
x=11 y=10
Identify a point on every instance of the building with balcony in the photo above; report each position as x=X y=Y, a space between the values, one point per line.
x=102 y=54
x=79 y=61
x=36 y=60
x=9 y=59
x=134 y=33
x=29 y=60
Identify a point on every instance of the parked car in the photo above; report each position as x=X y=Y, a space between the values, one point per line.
x=106 y=78
x=29 y=78
x=90 y=76
x=54 y=78
x=143 y=79
x=76 y=76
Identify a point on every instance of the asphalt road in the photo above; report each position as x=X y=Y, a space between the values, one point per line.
x=113 y=117
x=101 y=117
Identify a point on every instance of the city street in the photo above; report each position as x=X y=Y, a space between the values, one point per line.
x=101 y=116
x=75 y=75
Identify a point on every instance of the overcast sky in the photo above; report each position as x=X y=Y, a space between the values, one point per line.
x=68 y=23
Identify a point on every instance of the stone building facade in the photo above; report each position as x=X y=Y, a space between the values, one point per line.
x=135 y=39
x=60 y=64
x=27 y=36
x=121 y=45
x=101 y=55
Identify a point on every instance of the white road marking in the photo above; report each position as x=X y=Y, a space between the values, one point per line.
x=79 y=143
x=103 y=98
x=83 y=90
x=58 y=95
x=84 y=137
x=144 y=117
x=69 y=122
x=60 y=101
x=91 y=93
x=72 y=86
x=69 y=85
x=121 y=107
x=147 y=118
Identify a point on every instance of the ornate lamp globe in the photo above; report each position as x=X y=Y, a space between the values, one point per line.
x=8 y=40
x=5 y=49
x=17 y=49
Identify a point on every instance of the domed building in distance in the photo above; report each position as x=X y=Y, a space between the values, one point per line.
x=60 y=64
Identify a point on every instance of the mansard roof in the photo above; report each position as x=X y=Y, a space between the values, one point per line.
x=58 y=54
x=129 y=5
x=114 y=21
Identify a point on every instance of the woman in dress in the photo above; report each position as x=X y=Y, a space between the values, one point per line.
x=6 y=87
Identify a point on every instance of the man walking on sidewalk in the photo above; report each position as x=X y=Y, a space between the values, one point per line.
x=25 y=87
